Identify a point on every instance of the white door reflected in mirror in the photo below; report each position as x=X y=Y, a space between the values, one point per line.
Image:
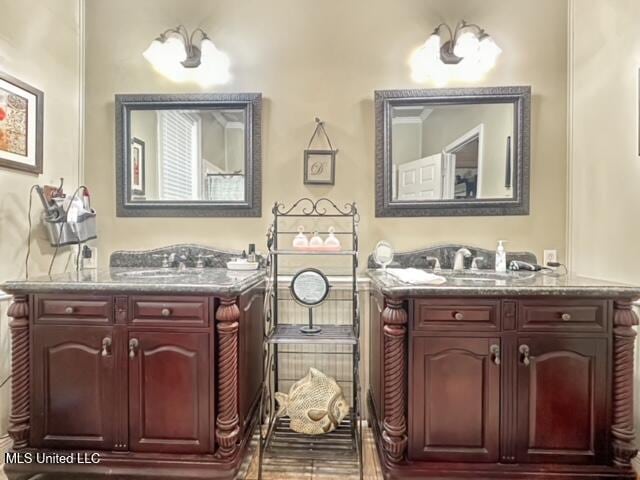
x=451 y=152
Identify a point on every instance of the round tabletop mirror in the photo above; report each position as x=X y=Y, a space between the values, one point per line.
x=309 y=287
x=383 y=254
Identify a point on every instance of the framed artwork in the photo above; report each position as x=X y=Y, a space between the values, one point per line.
x=137 y=166
x=21 y=125
x=319 y=167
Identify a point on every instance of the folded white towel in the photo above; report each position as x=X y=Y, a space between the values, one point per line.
x=415 y=276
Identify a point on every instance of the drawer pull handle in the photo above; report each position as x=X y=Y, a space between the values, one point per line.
x=458 y=316
x=566 y=317
x=525 y=353
x=165 y=312
x=495 y=354
x=133 y=347
x=106 y=346
x=68 y=310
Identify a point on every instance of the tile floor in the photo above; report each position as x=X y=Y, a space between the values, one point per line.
x=307 y=469
x=287 y=469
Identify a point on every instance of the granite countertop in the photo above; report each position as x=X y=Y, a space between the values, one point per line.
x=141 y=280
x=510 y=284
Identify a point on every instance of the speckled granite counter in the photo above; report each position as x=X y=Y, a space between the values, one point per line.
x=513 y=284
x=141 y=280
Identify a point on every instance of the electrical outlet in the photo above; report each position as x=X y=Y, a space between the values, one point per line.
x=550 y=256
x=92 y=261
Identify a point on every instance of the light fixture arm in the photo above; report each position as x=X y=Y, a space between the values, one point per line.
x=447 y=49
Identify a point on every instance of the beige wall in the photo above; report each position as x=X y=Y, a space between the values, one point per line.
x=604 y=161
x=605 y=165
x=325 y=59
x=39 y=45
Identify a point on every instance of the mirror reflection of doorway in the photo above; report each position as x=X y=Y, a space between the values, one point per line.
x=463 y=160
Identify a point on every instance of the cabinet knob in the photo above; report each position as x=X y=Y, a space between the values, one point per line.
x=165 y=312
x=495 y=353
x=133 y=347
x=458 y=316
x=68 y=310
x=525 y=353
x=106 y=346
x=566 y=317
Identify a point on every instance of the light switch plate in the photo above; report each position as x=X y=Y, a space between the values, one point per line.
x=549 y=256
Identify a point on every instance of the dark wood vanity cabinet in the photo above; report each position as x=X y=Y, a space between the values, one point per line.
x=502 y=387
x=455 y=400
x=74 y=387
x=169 y=403
x=153 y=378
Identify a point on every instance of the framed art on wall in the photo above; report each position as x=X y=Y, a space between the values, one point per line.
x=137 y=167
x=21 y=125
x=319 y=167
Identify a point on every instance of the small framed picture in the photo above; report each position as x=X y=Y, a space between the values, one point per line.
x=137 y=167
x=21 y=125
x=319 y=167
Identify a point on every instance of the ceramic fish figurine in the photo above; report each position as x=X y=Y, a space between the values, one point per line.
x=315 y=404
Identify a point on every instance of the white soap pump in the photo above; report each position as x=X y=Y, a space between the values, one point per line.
x=332 y=242
x=501 y=257
x=300 y=240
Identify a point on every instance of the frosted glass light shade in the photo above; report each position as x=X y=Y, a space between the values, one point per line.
x=467 y=45
x=478 y=54
x=488 y=53
x=167 y=56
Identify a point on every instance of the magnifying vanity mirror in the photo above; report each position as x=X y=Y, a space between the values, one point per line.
x=452 y=152
x=383 y=254
x=188 y=155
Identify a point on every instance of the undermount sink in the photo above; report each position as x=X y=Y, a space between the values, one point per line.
x=153 y=273
x=484 y=275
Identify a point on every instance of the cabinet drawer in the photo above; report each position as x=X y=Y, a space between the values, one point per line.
x=73 y=309
x=470 y=315
x=563 y=315
x=177 y=311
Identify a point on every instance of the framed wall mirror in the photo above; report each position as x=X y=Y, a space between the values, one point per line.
x=188 y=155
x=452 y=152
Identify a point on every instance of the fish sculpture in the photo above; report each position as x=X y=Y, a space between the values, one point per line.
x=315 y=404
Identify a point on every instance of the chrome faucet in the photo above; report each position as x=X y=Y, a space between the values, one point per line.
x=178 y=261
x=458 y=263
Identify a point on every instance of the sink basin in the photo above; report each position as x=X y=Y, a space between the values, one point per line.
x=152 y=273
x=485 y=276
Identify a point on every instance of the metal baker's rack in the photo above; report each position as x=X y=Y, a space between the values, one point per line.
x=276 y=439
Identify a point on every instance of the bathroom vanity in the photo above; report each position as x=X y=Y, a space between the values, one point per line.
x=158 y=369
x=517 y=375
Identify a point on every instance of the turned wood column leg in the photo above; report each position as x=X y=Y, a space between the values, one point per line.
x=622 y=429
x=20 y=413
x=227 y=422
x=394 y=426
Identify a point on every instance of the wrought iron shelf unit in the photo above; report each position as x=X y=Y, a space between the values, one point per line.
x=330 y=334
x=277 y=440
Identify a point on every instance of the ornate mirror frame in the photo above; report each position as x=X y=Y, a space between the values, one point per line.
x=251 y=103
x=519 y=96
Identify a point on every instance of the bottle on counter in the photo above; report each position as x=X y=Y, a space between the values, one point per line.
x=501 y=257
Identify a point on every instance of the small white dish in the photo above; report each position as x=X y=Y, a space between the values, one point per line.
x=242 y=265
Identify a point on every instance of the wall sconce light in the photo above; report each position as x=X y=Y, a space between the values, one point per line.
x=176 y=55
x=468 y=54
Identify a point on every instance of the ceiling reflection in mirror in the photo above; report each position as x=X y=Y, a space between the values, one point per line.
x=194 y=155
x=451 y=151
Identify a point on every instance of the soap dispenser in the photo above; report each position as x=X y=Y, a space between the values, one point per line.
x=300 y=240
x=501 y=257
x=332 y=242
x=316 y=242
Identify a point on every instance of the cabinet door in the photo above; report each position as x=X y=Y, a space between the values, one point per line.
x=169 y=392
x=562 y=399
x=455 y=399
x=73 y=387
